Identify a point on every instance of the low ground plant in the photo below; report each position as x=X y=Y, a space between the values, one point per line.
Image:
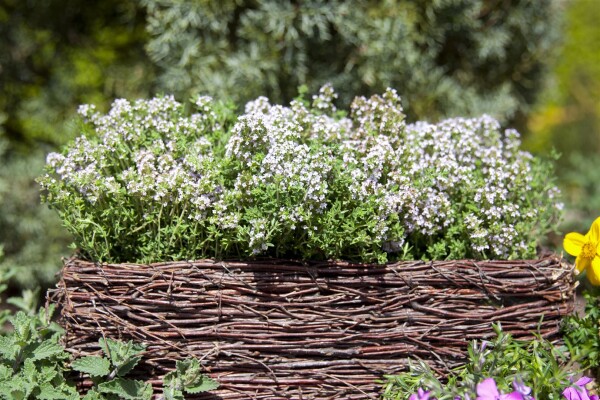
x=35 y=365
x=582 y=335
x=502 y=368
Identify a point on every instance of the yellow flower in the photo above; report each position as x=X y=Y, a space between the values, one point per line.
x=587 y=250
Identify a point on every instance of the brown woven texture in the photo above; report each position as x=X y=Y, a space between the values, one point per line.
x=283 y=329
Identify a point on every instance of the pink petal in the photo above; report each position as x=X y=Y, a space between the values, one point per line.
x=571 y=394
x=487 y=389
x=512 y=396
x=584 y=380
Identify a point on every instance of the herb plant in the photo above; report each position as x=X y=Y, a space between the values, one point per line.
x=536 y=367
x=148 y=182
x=582 y=336
x=32 y=361
x=186 y=378
x=35 y=365
x=108 y=372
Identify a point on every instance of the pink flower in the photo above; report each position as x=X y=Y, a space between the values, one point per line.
x=420 y=395
x=487 y=390
x=579 y=392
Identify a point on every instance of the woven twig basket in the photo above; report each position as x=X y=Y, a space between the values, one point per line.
x=305 y=330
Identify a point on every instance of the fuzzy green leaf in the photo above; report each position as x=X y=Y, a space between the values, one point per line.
x=5 y=387
x=205 y=384
x=63 y=392
x=30 y=371
x=172 y=393
x=8 y=350
x=121 y=354
x=47 y=373
x=22 y=327
x=17 y=389
x=93 y=395
x=189 y=373
x=170 y=378
x=127 y=389
x=92 y=365
x=128 y=366
x=47 y=349
x=6 y=373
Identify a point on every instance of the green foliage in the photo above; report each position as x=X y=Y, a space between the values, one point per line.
x=32 y=361
x=120 y=388
x=5 y=274
x=108 y=372
x=27 y=301
x=580 y=180
x=120 y=358
x=92 y=365
x=567 y=117
x=537 y=363
x=33 y=238
x=34 y=364
x=148 y=182
x=123 y=356
x=55 y=56
x=451 y=57
x=187 y=378
x=582 y=336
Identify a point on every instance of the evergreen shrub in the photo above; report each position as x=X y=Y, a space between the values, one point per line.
x=449 y=58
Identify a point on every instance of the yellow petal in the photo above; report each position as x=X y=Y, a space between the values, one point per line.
x=582 y=264
x=573 y=243
x=593 y=272
x=594 y=233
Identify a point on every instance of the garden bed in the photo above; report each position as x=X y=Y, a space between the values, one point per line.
x=288 y=329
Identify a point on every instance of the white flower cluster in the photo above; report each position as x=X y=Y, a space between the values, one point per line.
x=299 y=173
x=147 y=150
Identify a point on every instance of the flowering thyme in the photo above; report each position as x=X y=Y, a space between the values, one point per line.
x=148 y=182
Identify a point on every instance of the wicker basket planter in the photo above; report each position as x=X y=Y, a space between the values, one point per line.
x=286 y=329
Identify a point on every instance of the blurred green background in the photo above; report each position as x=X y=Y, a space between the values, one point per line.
x=534 y=65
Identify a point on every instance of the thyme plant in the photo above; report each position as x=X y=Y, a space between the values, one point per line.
x=149 y=182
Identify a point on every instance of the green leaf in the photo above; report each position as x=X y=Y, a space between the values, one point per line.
x=47 y=349
x=6 y=373
x=17 y=394
x=48 y=372
x=128 y=366
x=30 y=371
x=63 y=392
x=205 y=384
x=92 y=365
x=22 y=327
x=19 y=388
x=127 y=388
x=189 y=366
x=5 y=389
x=8 y=349
x=27 y=302
x=54 y=328
x=191 y=377
x=172 y=393
x=92 y=394
x=119 y=352
x=170 y=378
